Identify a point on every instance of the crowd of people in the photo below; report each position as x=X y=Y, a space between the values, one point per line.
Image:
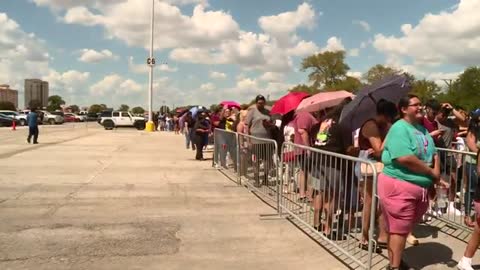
x=402 y=141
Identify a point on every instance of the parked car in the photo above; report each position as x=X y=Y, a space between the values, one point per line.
x=52 y=118
x=7 y=121
x=78 y=118
x=22 y=118
x=69 y=118
x=114 y=119
x=91 y=117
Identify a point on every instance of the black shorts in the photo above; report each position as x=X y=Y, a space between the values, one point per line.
x=263 y=151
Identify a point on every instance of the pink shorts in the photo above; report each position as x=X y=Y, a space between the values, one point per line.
x=403 y=204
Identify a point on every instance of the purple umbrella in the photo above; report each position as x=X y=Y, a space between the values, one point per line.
x=363 y=106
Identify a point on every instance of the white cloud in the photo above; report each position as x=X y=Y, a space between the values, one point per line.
x=71 y=81
x=187 y=2
x=272 y=77
x=114 y=84
x=354 y=52
x=205 y=37
x=167 y=68
x=204 y=28
x=217 y=75
x=303 y=48
x=83 y=16
x=207 y=86
x=93 y=56
x=363 y=45
x=451 y=37
x=281 y=26
x=355 y=74
x=365 y=26
x=64 y=4
x=334 y=44
x=22 y=55
x=251 y=51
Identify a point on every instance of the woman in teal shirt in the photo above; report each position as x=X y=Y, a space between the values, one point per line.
x=411 y=168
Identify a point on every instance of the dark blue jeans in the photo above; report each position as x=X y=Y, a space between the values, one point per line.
x=472 y=182
x=33 y=132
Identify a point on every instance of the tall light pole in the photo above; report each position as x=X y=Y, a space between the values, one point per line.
x=151 y=63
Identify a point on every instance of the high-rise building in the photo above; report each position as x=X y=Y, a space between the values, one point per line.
x=36 y=89
x=7 y=94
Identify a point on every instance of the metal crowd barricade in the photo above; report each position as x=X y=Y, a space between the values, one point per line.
x=454 y=205
x=258 y=163
x=319 y=189
x=225 y=152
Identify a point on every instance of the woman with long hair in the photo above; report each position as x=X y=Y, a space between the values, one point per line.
x=371 y=137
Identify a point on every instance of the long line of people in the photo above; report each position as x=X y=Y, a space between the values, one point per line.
x=401 y=141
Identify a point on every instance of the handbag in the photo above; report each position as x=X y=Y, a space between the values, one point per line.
x=367 y=170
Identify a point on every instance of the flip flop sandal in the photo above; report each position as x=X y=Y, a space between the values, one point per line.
x=364 y=246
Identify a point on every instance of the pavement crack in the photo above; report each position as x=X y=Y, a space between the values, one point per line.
x=70 y=196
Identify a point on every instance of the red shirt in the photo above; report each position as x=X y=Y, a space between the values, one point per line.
x=306 y=121
x=430 y=126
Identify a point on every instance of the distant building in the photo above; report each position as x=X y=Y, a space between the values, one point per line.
x=7 y=94
x=36 y=89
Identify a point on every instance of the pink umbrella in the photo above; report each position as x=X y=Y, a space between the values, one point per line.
x=323 y=100
x=230 y=104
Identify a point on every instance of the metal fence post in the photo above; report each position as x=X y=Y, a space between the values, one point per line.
x=239 y=169
x=373 y=215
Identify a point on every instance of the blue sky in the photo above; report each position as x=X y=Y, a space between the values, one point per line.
x=94 y=51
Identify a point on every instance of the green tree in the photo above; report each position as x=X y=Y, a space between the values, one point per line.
x=35 y=104
x=464 y=91
x=304 y=88
x=7 y=105
x=124 y=107
x=379 y=72
x=104 y=106
x=350 y=84
x=74 y=108
x=425 y=89
x=214 y=107
x=138 y=110
x=95 y=108
x=54 y=103
x=327 y=69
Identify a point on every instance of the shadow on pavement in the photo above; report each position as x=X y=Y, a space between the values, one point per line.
x=422 y=255
x=425 y=230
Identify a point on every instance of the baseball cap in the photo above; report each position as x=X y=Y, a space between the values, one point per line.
x=475 y=113
x=259 y=97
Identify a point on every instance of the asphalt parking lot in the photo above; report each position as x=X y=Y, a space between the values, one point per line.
x=86 y=198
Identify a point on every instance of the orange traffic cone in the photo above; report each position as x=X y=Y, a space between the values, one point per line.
x=14 y=125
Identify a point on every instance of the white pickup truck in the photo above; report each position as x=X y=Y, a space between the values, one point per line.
x=111 y=120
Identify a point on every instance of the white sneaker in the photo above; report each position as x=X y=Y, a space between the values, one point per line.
x=465 y=264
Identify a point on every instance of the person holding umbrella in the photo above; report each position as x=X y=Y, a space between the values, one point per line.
x=412 y=167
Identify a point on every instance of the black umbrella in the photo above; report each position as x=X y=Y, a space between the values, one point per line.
x=363 y=106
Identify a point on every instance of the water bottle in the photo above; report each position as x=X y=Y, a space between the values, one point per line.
x=442 y=199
